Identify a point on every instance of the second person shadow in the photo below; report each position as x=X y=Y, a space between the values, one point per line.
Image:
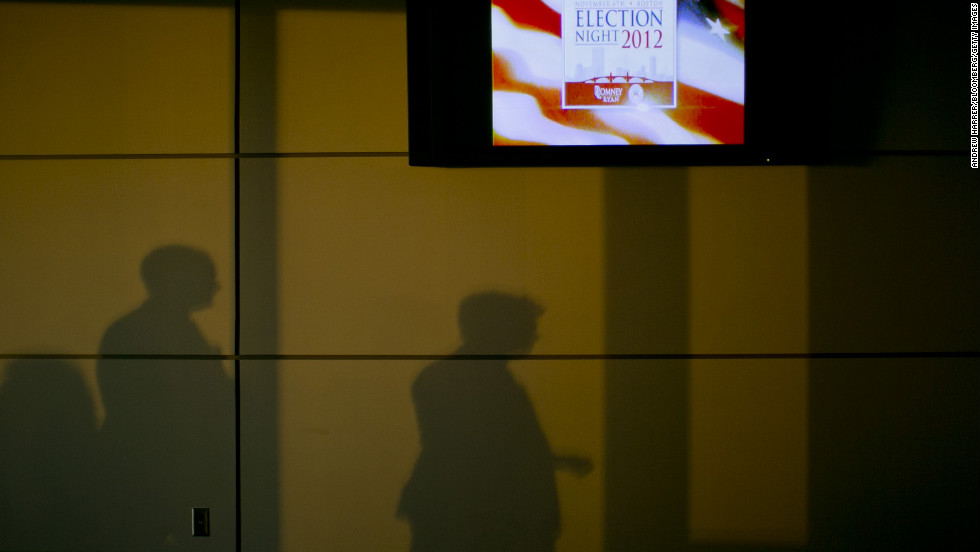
x=485 y=477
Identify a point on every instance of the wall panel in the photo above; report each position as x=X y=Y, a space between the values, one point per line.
x=374 y=256
x=93 y=78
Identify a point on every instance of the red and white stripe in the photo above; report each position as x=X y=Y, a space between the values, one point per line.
x=527 y=65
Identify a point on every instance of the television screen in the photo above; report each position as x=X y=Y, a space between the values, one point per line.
x=618 y=82
x=618 y=72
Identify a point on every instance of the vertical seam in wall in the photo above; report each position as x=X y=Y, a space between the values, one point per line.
x=237 y=239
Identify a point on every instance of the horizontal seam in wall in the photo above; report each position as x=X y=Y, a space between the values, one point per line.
x=610 y=356
x=265 y=155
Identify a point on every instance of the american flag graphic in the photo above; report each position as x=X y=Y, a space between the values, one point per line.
x=527 y=81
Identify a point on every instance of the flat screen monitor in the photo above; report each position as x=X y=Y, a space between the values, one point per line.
x=609 y=82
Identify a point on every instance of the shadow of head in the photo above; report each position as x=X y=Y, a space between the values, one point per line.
x=181 y=276
x=494 y=322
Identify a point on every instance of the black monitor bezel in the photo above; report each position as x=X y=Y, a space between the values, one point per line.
x=450 y=88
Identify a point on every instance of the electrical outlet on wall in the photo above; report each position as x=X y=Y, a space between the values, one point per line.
x=200 y=522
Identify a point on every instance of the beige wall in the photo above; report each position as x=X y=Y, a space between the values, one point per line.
x=748 y=419
x=344 y=253
x=111 y=79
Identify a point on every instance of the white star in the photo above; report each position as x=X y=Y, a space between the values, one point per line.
x=717 y=28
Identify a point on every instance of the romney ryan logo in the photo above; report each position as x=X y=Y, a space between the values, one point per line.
x=608 y=94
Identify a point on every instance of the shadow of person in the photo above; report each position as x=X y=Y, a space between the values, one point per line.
x=168 y=435
x=484 y=479
x=47 y=458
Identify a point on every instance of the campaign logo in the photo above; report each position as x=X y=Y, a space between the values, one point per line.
x=608 y=95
